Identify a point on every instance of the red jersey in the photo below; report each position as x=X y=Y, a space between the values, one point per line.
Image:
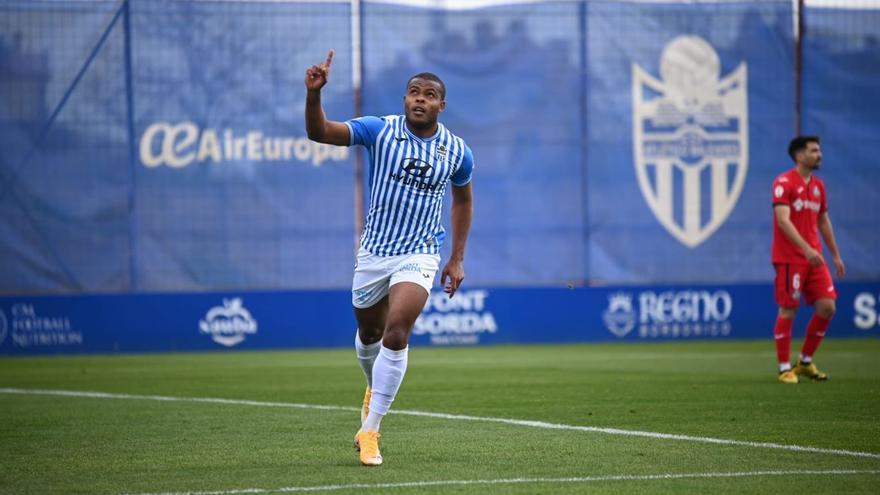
x=806 y=200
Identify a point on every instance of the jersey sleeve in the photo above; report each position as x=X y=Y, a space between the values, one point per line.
x=823 y=208
x=364 y=130
x=782 y=189
x=463 y=175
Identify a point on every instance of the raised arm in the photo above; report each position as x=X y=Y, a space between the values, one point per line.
x=318 y=127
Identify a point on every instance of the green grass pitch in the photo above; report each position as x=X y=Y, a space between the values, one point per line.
x=135 y=444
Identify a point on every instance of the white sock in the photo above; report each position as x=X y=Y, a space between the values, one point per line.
x=373 y=421
x=784 y=367
x=366 y=355
x=806 y=359
x=388 y=371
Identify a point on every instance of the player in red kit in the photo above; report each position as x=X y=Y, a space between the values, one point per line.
x=800 y=213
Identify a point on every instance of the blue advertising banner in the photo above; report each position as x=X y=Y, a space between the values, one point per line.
x=230 y=192
x=160 y=146
x=174 y=322
x=841 y=67
x=64 y=170
x=629 y=313
x=690 y=109
x=303 y=319
x=157 y=146
x=513 y=83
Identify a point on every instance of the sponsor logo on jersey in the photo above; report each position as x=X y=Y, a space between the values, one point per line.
x=411 y=267
x=799 y=204
x=415 y=171
x=418 y=168
x=411 y=181
x=690 y=134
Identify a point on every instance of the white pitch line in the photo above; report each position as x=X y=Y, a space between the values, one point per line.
x=583 y=479
x=455 y=417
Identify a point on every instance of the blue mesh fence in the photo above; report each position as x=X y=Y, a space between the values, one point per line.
x=715 y=85
x=65 y=172
x=159 y=145
x=250 y=203
x=512 y=75
x=841 y=67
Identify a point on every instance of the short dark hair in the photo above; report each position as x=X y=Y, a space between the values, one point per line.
x=430 y=76
x=799 y=144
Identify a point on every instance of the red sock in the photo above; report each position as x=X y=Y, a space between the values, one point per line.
x=782 y=334
x=815 y=331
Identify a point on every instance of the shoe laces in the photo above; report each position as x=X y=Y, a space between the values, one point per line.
x=369 y=441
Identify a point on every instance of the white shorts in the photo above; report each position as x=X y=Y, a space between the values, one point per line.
x=374 y=275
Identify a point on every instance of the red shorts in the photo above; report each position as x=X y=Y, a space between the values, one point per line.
x=796 y=279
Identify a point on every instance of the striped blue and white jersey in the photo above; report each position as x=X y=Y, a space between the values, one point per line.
x=408 y=177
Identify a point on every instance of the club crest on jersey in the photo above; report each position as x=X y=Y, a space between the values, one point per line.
x=690 y=134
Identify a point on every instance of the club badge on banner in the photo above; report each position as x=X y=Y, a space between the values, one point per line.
x=695 y=122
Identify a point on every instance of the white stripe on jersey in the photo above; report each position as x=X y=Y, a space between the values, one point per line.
x=408 y=179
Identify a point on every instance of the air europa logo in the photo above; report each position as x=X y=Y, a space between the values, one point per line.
x=179 y=145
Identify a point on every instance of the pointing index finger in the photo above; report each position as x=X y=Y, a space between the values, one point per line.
x=329 y=59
